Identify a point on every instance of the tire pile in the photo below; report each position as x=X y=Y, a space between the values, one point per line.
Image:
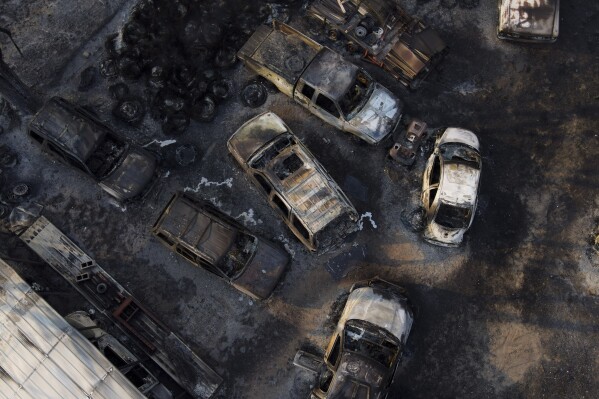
x=178 y=50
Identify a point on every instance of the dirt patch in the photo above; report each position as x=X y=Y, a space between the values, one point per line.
x=515 y=349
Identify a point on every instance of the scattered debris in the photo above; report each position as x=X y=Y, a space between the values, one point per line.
x=390 y=37
x=162 y=143
x=414 y=220
x=20 y=190
x=404 y=151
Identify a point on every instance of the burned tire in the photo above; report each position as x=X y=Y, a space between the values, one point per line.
x=254 y=94
x=221 y=89
x=204 y=110
x=130 y=110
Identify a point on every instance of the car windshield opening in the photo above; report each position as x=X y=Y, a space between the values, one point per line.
x=357 y=95
x=453 y=217
x=371 y=344
x=273 y=149
x=239 y=254
x=105 y=156
x=459 y=153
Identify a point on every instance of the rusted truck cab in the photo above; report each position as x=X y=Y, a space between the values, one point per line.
x=390 y=37
x=322 y=81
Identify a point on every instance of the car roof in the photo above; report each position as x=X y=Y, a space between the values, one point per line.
x=65 y=125
x=330 y=73
x=385 y=311
x=186 y=220
x=530 y=17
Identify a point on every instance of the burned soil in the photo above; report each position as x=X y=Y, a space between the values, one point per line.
x=510 y=314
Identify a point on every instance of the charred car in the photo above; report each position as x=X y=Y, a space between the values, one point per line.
x=450 y=187
x=293 y=181
x=216 y=242
x=321 y=80
x=76 y=137
x=367 y=345
x=391 y=38
x=529 y=20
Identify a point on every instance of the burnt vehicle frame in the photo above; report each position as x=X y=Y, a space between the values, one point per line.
x=322 y=81
x=390 y=38
x=528 y=21
x=214 y=241
x=365 y=350
x=450 y=186
x=74 y=136
x=294 y=183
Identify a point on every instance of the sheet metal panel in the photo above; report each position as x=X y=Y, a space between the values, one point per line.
x=42 y=356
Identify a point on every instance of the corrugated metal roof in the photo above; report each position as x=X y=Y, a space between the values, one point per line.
x=42 y=356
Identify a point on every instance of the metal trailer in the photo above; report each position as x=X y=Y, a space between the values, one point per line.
x=116 y=303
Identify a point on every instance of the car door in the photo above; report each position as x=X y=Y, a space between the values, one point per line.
x=328 y=110
x=430 y=183
x=304 y=94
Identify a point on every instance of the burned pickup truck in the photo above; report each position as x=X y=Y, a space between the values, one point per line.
x=75 y=137
x=216 y=242
x=335 y=90
x=390 y=37
x=293 y=181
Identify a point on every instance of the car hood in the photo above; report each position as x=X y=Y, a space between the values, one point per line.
x=264 y=271
x=388 y=313
x=132 y=175
x=379 y=117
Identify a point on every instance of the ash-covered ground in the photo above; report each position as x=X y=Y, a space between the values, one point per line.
x=512 y=313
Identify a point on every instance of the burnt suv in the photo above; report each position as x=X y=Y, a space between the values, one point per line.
x=75 y=137
x=295 y=184
x=367 y=345
x=216 y=242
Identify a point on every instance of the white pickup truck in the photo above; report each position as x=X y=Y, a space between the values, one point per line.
x=321 y=80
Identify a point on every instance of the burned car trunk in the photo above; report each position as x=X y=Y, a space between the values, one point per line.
x=529 y=20
x=367 y=344
x=450 y=187
x=295 y=184
x=77 y=138
x=390 y=37
x=214 y=241
x=322 y=81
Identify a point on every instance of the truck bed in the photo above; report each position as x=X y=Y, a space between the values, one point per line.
x=279 y=53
